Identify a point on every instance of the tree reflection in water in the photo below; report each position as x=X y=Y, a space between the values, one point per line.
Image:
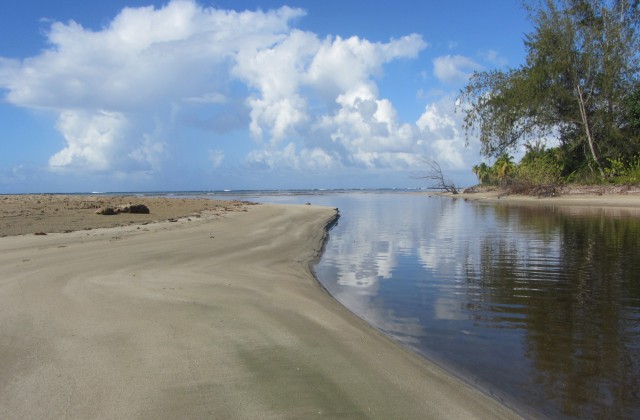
x=572 y=283
x=540 y=305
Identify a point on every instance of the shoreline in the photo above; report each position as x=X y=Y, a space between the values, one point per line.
x=218 y=316
x=611 y=203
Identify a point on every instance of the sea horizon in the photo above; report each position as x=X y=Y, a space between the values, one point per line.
x=268 y=191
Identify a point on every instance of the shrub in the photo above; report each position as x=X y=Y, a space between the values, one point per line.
x=542 y=169
x=620 y=172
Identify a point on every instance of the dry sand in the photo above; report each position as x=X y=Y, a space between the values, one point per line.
x=46 y=213
x=216 y=317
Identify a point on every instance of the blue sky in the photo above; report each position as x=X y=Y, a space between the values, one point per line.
x=207 y=95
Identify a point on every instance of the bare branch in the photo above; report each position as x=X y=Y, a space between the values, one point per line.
x=438 y=181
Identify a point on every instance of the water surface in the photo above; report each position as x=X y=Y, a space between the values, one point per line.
x=540 y=305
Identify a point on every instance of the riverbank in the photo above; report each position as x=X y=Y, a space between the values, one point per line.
x=615 y=199
x=216 y=316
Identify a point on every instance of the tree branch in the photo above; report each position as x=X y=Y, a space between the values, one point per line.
x=438 y=181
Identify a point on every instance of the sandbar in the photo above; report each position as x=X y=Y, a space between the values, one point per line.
x=217 y=316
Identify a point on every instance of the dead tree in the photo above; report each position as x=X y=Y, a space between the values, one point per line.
x=438 y=181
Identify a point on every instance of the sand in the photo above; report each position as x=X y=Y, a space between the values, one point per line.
x=217 y=316
x=623 y=204
x=46 y=213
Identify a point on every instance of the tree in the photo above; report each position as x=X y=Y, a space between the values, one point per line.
x=483 y=172
x=539 y=166
x=582 y=60
x=439 y=182
x=503 y=168
x=632 y=105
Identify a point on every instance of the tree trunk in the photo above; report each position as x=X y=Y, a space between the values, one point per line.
x=585 y=122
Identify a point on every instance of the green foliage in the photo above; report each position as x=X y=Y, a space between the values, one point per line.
x=583 y=176
x=544 y=167
x=632 y=120
x=501 y=173
x=502 y=106
x=504 y=168
x=616 y=168
x=540 y=167
x=623 y=172
x=583 y=59
x=484 y=173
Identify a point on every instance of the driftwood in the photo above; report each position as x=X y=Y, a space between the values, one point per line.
x=438 y=181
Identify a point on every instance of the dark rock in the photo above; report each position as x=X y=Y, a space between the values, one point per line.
x=139 y=208
x=123 y=208
x=106 y=211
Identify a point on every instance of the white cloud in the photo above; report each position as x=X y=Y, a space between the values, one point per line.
x=344 y=64
x=275 y=73
x=365 y=132
x=440 y=127
x=357 y=128
x=92 y=139
x=340 y=71
x=436 y=122
x=308 y=103
x=130 y=74
x=454 y=69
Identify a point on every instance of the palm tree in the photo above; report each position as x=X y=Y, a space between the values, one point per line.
x=503 y=168
x=483 y=172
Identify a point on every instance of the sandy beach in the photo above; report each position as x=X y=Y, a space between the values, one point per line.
x=210 y=311
x=47 y=213
x=625 y=202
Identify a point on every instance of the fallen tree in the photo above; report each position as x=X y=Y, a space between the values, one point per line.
x=437 y=178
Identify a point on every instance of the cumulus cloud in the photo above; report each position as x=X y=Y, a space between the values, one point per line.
x=356 y=127
x=92 y=139
x=306 y=102
x=145 y=55
x=111 y=87
x=365 y=132
x=440 y=125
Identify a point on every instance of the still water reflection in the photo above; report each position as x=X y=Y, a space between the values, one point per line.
x=541 y=305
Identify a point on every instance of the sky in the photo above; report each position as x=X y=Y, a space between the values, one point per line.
x=184 y=95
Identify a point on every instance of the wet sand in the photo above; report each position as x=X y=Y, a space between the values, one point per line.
x=216 y=316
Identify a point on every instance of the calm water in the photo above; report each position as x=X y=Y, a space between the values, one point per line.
x=540 y=306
